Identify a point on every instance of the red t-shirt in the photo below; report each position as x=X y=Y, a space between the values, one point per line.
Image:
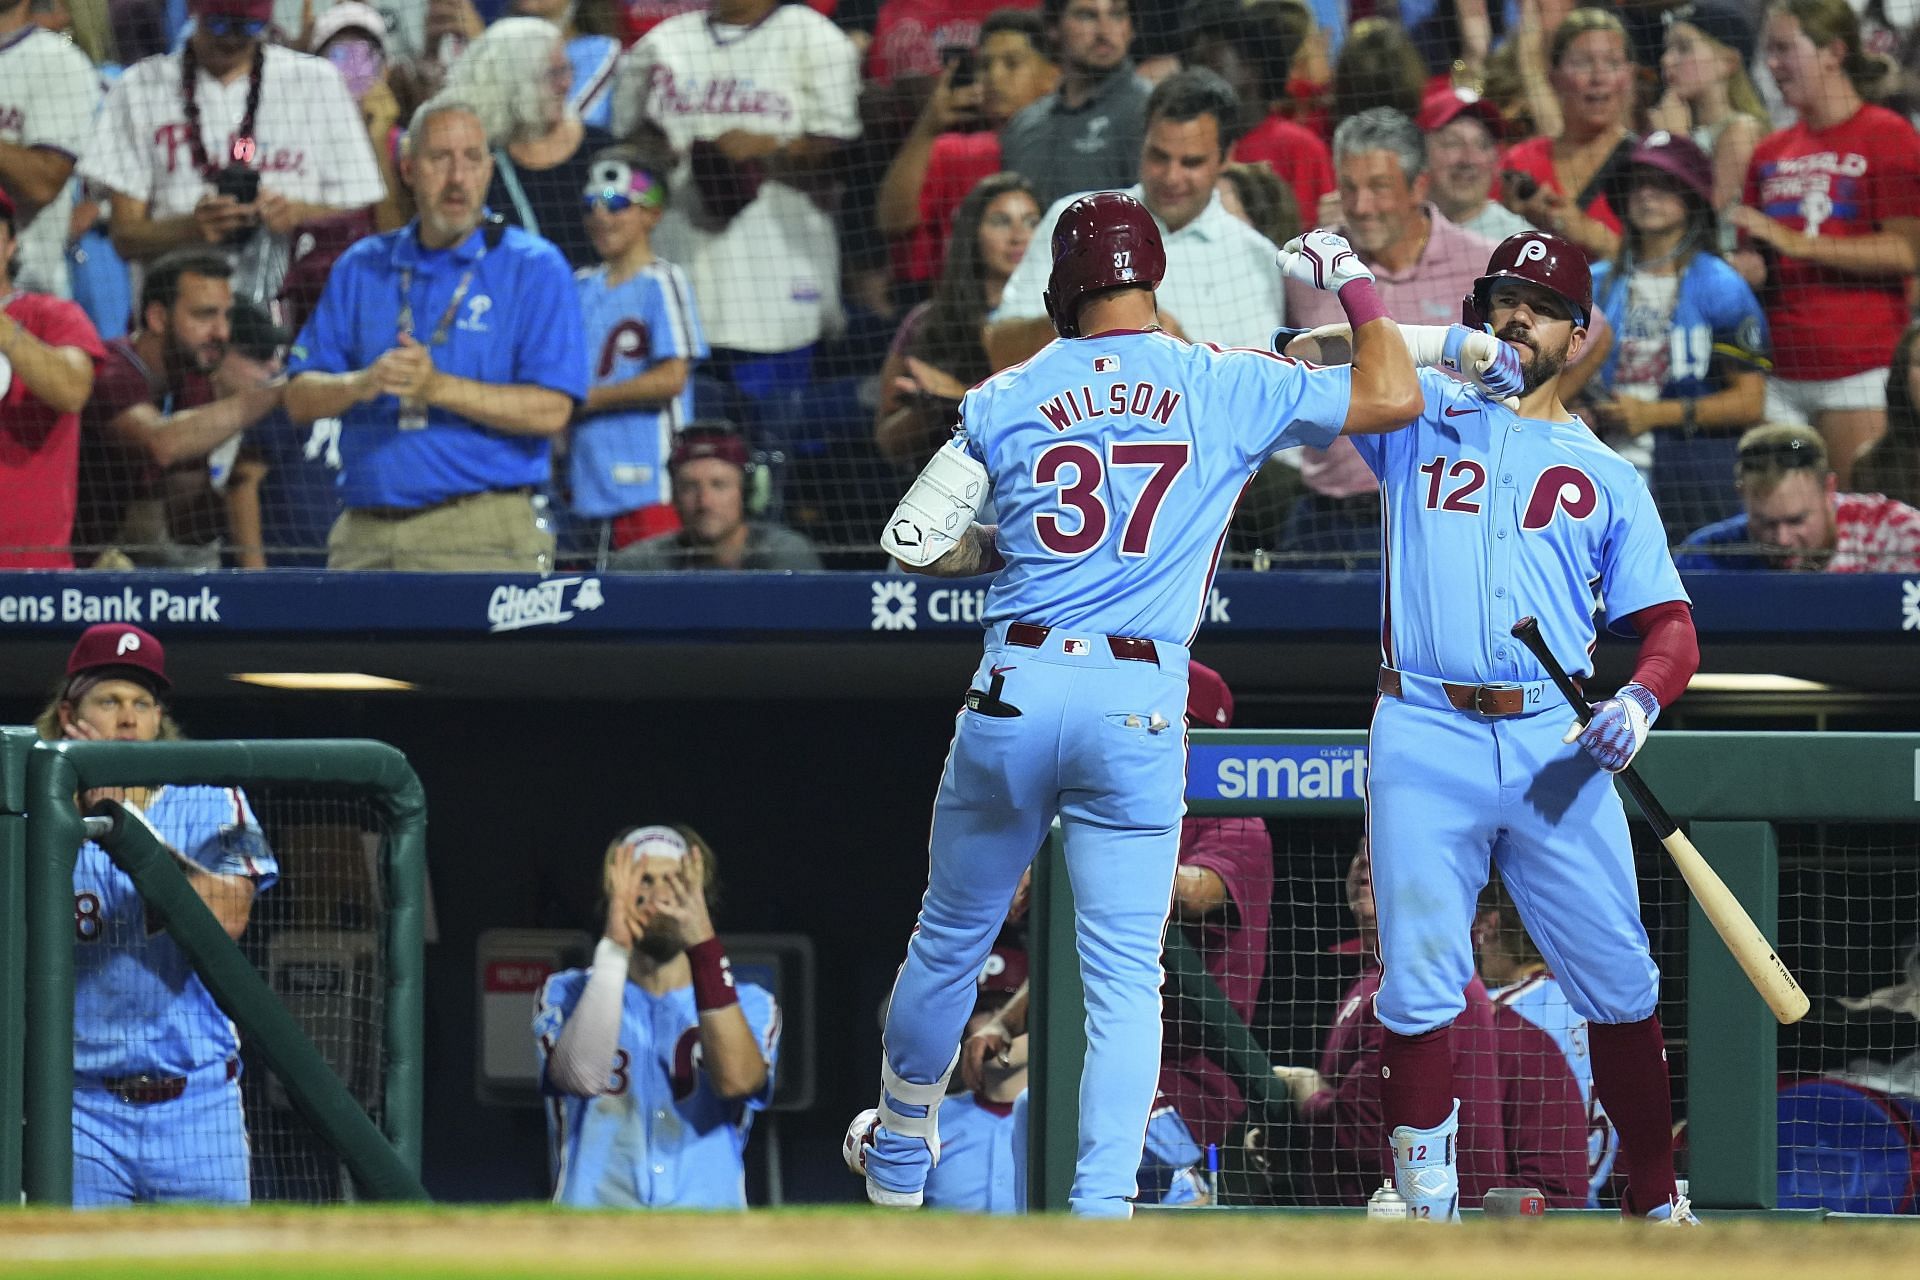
x=958 y=162
x=909 y=34
x=1534 y=157
x=1844 y=181
x=40 y=446
x=1296 y=153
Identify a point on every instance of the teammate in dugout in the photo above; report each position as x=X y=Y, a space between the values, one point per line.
x=156 y=1065
x=654 y=1060
x=1495 y=513
x=1113 y=504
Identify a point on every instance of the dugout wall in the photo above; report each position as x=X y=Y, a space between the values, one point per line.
x=301 y=978
x=1817 y=834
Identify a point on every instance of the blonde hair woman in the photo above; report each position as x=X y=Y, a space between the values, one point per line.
x=1708 y=95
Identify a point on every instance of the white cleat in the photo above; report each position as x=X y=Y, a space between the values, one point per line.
x=1676 y=1213
x=854 y=1148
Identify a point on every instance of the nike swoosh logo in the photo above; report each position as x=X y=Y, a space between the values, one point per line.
x=1003 y=670
x=1453 y=412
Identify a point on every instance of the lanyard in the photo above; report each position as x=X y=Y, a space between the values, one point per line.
x=439 y=338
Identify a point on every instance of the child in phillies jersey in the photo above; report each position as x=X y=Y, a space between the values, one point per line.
x=643 y=335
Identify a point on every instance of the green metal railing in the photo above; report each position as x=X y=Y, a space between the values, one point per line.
x=53 y=831
x=1728 y=788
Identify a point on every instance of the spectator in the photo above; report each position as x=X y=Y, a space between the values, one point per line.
x=354 y=38
x=48 y=94
x=1891 y=465
x=593 y=58
x=1517 y=978
x=1086 y=135
x=911 y=37
x=161 y=429
x=517 y=75
x=1570 y=179
x=1221 y=282
x=1378 y=67
x=719 y=491
x=1521 y=1120
x=1463 y=133
x=1797 y=517
x=445 y=439
x=938 y=352
x=48 y=354
x=977 y=1148
x=1831 y=218
x=654 y=1058
x=746 y=224
x=280 y=496
x=1708 y=95
x=146 y=1033
x=1687 y=369
x=645 y=336
x=1253 y=52
x=1258 y=196
x=1424 y=266
x=943 y=159
x=231 y=143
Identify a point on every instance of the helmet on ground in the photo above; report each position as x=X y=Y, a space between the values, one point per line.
x=1102 y=241
x=1539 y=258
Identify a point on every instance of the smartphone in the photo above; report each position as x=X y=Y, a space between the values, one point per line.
x=239 y=182
x=960 y=58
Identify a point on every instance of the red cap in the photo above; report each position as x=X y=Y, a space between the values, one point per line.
x=119 y=644
x=1005 y=970
x=1446 y=103
x=1209 y=701
x=698 y=441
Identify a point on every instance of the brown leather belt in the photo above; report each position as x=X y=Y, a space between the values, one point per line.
x=1126 y=648
x=1490 y=700
x=144 y=1090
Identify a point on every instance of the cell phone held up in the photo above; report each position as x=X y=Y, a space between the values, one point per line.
x=960 y=58
x=240 y=183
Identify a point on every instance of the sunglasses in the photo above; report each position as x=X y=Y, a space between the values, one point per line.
x=618 y=201
x=1787 y=455
x=220 y=24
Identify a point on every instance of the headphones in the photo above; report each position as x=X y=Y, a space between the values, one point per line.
x=717 y=438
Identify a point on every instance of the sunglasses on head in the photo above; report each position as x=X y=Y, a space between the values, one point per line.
x=1785 y=454
x=223 y=24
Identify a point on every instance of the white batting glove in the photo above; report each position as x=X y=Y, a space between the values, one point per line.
x=1491 y=364
x=1322 y=260
x=1618 y=729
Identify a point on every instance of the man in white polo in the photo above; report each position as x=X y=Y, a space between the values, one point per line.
x=1221 y=286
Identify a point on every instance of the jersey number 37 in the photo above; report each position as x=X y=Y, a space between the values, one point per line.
x=1078 y=472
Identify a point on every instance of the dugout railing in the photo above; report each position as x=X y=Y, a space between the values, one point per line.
x=42 y=829
x=1845 y=807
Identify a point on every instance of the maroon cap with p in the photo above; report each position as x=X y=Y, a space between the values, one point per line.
x=1209 y=701
x=700 y=440
x=119 y=644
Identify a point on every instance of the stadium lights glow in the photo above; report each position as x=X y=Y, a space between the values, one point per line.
x=323 y=681
x=1752 y=682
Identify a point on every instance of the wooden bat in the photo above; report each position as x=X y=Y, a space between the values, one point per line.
x=1750 y=948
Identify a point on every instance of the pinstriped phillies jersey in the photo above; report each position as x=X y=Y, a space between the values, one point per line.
x=1115 y=463
x=138 y=1006
x=1489 y=518
x=659 y=1137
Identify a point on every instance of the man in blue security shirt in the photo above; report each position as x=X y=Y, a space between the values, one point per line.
x=453 y=352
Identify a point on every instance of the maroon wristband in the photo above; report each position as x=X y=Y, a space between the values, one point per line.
x=1362 y=302
x=712 y=976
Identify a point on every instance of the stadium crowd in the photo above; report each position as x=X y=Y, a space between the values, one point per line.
x=443 y=285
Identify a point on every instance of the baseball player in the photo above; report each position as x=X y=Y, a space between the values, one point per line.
x=1494 y=513
x=156 y=1065
x=654 y=1061
x=1114 y=457
x=977 y=1148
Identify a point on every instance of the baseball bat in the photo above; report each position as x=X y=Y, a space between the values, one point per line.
x=1755 y=955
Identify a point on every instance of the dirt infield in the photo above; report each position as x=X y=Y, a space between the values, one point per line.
x=426 y=1244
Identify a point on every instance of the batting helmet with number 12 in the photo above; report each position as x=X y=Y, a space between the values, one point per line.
x=1103 y=241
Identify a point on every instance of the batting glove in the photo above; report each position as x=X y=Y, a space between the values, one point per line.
x=1322 y=260
x=1493 y=366
x=1619 y=727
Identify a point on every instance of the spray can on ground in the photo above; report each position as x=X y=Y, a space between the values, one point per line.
x=1387 y=1204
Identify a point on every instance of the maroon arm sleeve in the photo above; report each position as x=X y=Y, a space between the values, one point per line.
x=1669 y=649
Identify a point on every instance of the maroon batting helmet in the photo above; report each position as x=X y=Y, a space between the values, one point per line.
x=1103 y=241
x=1538 y=258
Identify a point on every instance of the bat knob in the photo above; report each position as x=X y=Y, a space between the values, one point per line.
x=1525 y=625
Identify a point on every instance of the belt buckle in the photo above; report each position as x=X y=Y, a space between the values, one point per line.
x=1480 y=690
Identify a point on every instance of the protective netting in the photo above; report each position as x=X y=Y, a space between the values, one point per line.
x=156 y=1112
x=856 y=208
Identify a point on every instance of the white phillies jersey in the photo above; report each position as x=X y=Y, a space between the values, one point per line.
x=312 y=147
x=49 y=92
x=770 y=279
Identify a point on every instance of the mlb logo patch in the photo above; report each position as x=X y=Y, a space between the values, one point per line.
x=1105 y=364
x=1075 y=648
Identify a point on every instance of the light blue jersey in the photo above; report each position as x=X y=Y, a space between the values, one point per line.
x=659 y=1137
x=977 y=1155
x=1116 y=462
x=618 y=459
x=1489 y=518
x=138 y=1006
x=1539 y=999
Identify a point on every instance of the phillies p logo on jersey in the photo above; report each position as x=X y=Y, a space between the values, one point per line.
x=1560 y=488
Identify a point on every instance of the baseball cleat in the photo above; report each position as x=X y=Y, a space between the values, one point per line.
x=1678 y=1212
x=854 y=1148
